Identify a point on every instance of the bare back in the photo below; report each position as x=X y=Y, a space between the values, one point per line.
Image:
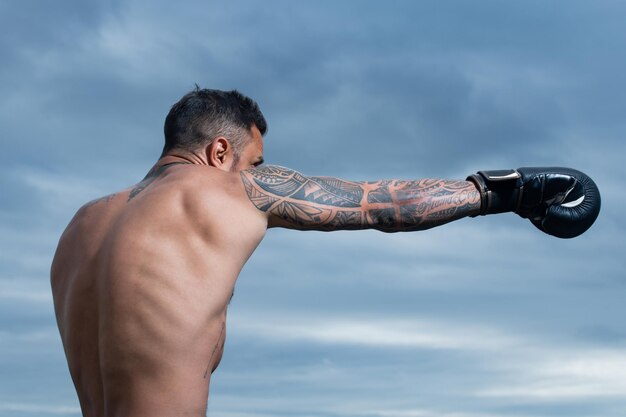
x=141 y=283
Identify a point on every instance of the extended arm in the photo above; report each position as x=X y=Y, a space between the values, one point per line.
x=295 y=201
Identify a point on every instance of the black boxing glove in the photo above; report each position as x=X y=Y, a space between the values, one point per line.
x=562 y=202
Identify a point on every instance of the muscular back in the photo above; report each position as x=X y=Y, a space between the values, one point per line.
x=141 y=282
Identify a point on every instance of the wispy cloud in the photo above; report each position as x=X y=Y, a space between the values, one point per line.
x=390 y=333
x=529 y=369
x=362 y=411
x=8 y=292
x=40 y=409
x=562 y=373
x=46 y=334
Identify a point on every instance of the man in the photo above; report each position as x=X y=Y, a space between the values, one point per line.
x=142 y=278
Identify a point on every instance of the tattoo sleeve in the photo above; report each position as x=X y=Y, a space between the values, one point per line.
x=296 y=201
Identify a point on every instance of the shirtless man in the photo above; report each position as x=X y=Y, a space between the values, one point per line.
x=142 y=278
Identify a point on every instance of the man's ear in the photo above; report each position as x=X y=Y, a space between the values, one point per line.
x=218 y=153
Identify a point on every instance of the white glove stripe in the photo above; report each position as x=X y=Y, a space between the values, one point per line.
x=574 y=203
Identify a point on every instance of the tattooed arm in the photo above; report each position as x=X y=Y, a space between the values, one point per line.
x=295 y=201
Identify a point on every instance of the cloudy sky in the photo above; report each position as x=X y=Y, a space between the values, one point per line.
x=485 y=317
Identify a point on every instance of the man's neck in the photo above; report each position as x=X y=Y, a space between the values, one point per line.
x=183 y=157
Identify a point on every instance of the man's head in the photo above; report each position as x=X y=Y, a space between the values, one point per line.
x=220 y=124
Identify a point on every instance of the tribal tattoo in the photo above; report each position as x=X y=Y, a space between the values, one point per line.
x=326 y=203
x=104 y=199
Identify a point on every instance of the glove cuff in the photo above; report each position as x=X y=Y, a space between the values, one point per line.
x=499 y=190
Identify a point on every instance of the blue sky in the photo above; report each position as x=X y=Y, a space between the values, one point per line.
x=484 y=317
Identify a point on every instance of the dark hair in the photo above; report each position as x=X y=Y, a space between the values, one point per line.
x=202 y=115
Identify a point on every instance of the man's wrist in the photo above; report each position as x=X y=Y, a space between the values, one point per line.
x=499 y=190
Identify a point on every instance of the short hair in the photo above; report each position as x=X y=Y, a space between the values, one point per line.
x=203 y=115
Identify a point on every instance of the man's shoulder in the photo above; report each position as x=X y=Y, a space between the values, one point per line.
x=211 y=189
x=207 y=182
x=190 y=182
x=202 y=192
x=216 y=199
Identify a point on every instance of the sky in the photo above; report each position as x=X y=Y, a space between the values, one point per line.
x=483 y=317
